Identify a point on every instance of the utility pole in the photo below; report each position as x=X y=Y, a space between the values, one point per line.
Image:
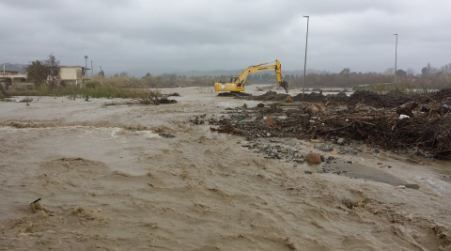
x=306 y=52
x=86 y=62
x=396 y=56
x=92 y=68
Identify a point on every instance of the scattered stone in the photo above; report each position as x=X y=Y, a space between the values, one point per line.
x=325 y=147
x=198 y=120
x=341 y=141
x=347 y=150
x=330 y=159
x=275 y=150
x=313 y=159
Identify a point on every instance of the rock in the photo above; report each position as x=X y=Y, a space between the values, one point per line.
x=313 y=159
x=412 y=186
x=299 y=160
x=330 y=159
x=403 y=116
x=341 y=141
x=308 y=172
x=261 y=105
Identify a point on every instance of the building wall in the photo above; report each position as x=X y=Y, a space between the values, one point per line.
x=71 y=73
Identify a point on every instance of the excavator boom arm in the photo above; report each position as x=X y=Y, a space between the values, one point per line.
x=277 y=67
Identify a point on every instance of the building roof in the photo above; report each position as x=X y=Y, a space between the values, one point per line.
x=71 y=66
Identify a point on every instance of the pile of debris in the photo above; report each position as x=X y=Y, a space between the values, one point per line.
x=421 y=123
x=310 y=97
x=159 y=99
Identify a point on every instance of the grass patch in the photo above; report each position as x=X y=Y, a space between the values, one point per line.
x=384 y=88
x=381 y=88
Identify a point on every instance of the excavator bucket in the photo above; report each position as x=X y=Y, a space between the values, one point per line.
x=284 y=85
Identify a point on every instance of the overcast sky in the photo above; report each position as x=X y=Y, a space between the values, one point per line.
x=140 y=36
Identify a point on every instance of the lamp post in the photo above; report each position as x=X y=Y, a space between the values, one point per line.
x=86 y=62
x=306 y=52
x=396 y=56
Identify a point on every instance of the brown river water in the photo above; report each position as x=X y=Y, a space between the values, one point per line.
x=108 y=180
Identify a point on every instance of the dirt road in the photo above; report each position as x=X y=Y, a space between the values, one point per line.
x=144 y=178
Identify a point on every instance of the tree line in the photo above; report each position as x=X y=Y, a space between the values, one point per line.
x=47 y=71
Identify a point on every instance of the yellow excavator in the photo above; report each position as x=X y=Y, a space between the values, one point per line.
x=237 y=83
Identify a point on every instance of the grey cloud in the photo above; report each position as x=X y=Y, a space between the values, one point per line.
x=174 y=35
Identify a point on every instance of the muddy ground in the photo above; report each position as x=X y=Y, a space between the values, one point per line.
x=148 y=178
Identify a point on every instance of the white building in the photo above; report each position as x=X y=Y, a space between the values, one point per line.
x=71 y=75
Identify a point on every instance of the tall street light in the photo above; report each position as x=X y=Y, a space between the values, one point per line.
x=396 y=56
x=306 y=50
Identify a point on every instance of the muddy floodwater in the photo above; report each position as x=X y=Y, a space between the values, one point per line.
x=134 y=177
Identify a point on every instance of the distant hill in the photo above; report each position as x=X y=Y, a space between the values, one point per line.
x=235 y=72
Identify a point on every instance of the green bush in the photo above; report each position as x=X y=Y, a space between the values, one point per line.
x=92 y=84
x=383 y=88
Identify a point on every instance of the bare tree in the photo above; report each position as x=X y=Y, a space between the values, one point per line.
x=53 y=71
